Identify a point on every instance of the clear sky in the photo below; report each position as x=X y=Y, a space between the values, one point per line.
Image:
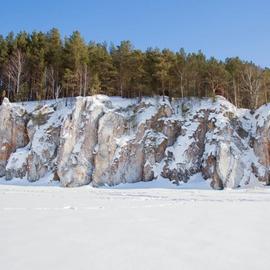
x=219 y=28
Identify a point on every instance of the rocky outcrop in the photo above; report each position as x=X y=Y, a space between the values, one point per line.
x=13 y=132
x=17 y=164
x=44 y=129
x=261 y=143
x=183 y=158
x=108 y=141
x=78 y=143
x=37 y=158
x=130 y=144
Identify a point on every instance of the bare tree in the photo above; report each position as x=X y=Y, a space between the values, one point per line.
x=266 y=85
x=252 y=83
x=85 y=78
x=80 y=76
x=57 y=92
x=15 y=69
x=235 y=91
x=180 y=73
x=51 y=80
x=216 y=77
x=180 y=69
x=216 y=83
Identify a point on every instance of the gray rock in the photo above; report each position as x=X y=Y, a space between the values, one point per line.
x=103 y=142
x=13 y=132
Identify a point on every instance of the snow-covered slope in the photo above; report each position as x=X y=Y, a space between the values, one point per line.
x=109 y=140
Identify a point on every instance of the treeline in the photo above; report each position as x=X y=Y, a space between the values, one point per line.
x=37 y=65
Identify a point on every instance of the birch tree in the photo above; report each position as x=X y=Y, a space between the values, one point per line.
x=15 y=70
x=252 y=83
x=180 y=69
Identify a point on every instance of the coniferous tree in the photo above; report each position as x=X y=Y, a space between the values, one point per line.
x=41 y=65
x=54 y=62
x=76 y=58
x=121 y=57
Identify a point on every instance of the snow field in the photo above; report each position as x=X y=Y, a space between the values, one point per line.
x=133 y=227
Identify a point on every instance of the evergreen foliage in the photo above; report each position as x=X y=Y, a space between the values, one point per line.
x=37 y=65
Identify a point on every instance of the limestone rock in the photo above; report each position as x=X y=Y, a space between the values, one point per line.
x=75 y=161
x=13 y=132
x=227 y=159
x=261 y=143
x=17 y=164
x=108 y=141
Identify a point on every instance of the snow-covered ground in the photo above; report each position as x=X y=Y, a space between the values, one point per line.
x=140 y=226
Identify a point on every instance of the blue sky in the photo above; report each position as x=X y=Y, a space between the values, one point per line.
x=219 y=28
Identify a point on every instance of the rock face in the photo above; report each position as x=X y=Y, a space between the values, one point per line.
x=38 y=157
x=13 y=133
x=75 y=160
x=108 y=141
x=261 y=143
x=44 y=132
x=129 y=146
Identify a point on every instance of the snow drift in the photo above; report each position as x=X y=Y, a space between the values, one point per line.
x=108 y=140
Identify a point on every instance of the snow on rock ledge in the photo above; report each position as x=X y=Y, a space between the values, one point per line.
x=108 y=141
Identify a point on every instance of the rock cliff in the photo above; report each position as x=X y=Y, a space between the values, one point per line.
x=108 y=141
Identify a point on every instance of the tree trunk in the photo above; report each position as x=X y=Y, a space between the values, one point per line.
x=85 y=80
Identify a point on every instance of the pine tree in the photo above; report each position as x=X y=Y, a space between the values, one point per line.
x=54 y=62
x=76 y=58
x=121 y=57
x=41 y=65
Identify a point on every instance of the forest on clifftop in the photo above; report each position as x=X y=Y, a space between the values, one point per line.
x=38 y=65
